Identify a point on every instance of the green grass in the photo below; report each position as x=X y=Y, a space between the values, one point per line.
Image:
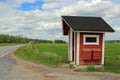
x=48 y=54
x=56 y=54
x=112 y=57
x=8 y=44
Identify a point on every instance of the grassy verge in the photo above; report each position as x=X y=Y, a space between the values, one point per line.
x=8 y=44
x=56 y=54
x=48 y=54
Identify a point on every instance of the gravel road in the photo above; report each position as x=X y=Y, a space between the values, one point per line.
x=13 y=68
x=4 y=50
x=6 y=62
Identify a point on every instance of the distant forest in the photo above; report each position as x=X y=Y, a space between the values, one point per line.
x=112 y=41
x=5 y=38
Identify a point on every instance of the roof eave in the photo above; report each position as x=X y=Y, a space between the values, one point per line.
x=95 y=31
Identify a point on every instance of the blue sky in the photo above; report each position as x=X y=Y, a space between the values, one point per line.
x=116 y=1
x=31 y=6
x=41 y=19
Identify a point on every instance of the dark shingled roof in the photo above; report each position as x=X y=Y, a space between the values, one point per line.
x=79 y=23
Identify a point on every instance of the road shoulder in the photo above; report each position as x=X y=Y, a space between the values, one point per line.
x=26 y=70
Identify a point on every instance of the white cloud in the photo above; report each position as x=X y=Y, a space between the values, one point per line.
x=48 y=6
x=41 y=23
x=57 y=4
x=48 y=25
x=117 y=28
x=17 y=3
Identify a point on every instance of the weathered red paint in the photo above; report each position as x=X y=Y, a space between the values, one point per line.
x=91 y=54
x=87 y=54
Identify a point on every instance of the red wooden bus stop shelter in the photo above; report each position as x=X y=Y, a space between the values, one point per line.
x=86 y=37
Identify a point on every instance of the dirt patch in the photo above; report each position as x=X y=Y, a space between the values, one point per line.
x=105 y=76
x=26 y=70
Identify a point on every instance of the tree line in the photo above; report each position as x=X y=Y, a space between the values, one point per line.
x=112 y=41
x=5 y=38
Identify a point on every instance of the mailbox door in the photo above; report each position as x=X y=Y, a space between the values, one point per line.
x=96 y=54
x=87 y=53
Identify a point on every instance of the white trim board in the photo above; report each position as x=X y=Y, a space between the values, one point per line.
x=90 y=31
x=78 y=48
x=74 y=48
x=103 y=48
x=71 y=47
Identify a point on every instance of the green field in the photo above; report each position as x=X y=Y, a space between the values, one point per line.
x=8 y=44
x=112 y=57
x=48 y=54
x=56 y=54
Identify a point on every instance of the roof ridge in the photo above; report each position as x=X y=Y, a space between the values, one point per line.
x=81 y=16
